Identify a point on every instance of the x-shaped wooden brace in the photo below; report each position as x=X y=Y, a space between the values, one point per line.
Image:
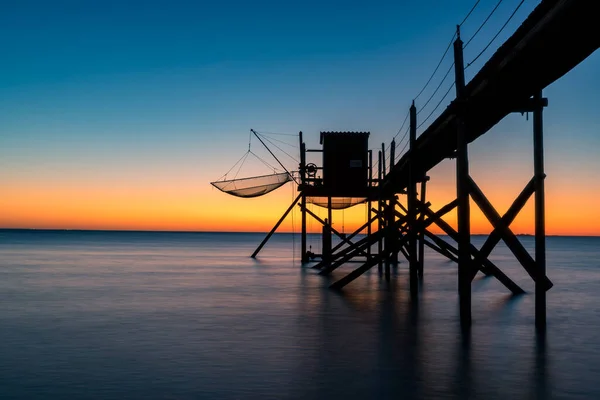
x=348 y=253
x=502 y=230
x=480 y=262
x=344 y=239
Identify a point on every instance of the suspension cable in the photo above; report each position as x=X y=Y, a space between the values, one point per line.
x=280 y=149
x=264 y=162
x=436 y=89
x=437 y=67
x=241 y=164
x=436 y=107
x=295 y=146
x=403 y=123
x=234 y=165
x=497 y=33
x=483 y=24
x=277 y=159
x=470 y=12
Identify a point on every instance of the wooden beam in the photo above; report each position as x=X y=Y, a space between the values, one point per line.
x=344 y=239
x=364 y=268
x=446 y=249
x=508 y=236
x=411 y=202
x=540 y=213
x=266 y=239
x=349 y=252
x=481 y=262
x=440 y=251
x=495 y=236
x=421 y=232
x=356 y=232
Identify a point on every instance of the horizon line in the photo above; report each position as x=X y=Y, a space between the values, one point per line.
x=253 y=232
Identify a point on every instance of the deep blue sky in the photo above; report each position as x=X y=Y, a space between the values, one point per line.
x=120 y=90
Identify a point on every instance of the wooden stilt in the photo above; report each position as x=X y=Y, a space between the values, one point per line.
x=412 y=208
x=389 y=237
x=370 y=184
x=380 y=213
x=392 y=205
x=304 y=255
x=421 y=231
x=540 y=216
x=462 y=193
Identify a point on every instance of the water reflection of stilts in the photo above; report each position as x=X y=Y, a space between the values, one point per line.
x=540 y=389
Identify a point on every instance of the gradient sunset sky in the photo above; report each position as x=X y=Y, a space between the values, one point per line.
x=118 y=114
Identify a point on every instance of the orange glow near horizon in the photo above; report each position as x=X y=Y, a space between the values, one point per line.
x=177 y=208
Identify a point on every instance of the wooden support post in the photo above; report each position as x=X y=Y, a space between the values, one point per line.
x=389 y=236
x=383 y=204
x=540 y=217
x=383 y=160
x=329 y=211
x=266 y=239
x=422 y=230
x=404 y=253
x=326 y=244
x=392 y=205
x=462 y=192
x=303 y=254
x=370 y=183
x=380 y=212
x=392 y=153
x=412 y=207
x=326 y=234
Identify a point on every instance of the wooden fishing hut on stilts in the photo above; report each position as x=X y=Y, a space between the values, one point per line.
x=344 y=179
x=554 y=38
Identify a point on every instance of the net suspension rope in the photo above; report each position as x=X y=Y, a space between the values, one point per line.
x=257 y=185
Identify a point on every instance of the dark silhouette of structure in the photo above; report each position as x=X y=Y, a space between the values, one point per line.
x=556 y=37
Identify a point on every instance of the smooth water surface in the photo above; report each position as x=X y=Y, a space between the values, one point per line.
x=135 y=315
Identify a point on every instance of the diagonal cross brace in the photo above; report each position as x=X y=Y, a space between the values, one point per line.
x=508 y=236
x=510 y=215
x=366 y=266
x=362 y=243
x=441 y=246
x=350 y=252
x=356 y=232
x=482 y=263
x=315 y=216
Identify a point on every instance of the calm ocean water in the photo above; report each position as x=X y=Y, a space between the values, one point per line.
x=132 y=315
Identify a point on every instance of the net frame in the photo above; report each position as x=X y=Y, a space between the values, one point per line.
x=337 y=203
x=254 y=186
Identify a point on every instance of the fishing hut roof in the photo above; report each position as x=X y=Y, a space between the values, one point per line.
x=347 y=134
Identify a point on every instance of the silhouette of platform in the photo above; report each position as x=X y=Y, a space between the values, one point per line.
x=554 y=39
